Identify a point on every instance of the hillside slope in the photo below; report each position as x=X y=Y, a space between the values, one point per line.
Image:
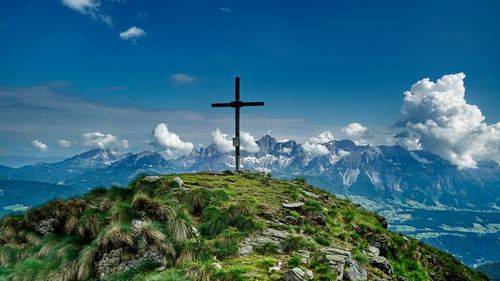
x=214 y=227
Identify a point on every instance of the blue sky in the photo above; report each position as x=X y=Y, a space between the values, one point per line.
x=318 y=65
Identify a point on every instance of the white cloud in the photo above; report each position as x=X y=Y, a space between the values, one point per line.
x=39 y=145
x=315 y=149
x=64 y=143
x=132 y=34
x=355 y=130
x=102 y=140
x=409 y=140
x=182 y=78
x=90 y=8
x=314 y=145
x=169 y=142
x=225 y=9
x=224 y=142
x=323 y=137
x=446 y=124
x=248 y=142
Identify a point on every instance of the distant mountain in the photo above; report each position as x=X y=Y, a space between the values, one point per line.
x=491 y=269
x=18 y=195
x=388 y=173
x=59 y=172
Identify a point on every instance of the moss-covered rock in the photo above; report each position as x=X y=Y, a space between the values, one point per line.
x=214 y=226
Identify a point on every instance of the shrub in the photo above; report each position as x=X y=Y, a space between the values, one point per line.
x=294 y=261
x=322 y=240
x=293 y=243
x=267 y=248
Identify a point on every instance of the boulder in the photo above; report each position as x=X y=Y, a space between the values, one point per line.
x=373 y=251
x=382 y=264
x=295 y=274
x=268 y=235
x=310 y=194
x=46 y=227
x=179 y=181
x=355 y=271
x=151 y=178
x=295 y=205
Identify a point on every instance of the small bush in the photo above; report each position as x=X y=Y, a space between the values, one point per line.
x=294 y=261
x=267 y=249
x=322 y=240
x=293 y=243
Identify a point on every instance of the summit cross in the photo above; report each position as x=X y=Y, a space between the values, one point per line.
x=237 y=104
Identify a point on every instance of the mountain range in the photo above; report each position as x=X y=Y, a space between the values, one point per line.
x=382 y=173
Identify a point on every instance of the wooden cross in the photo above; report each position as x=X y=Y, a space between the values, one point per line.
x=237 y=104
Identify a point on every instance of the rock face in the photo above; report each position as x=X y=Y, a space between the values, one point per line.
x=268 y=235
x=118 y=261
x=295 y=274
x=46 y=227
x=343 y=265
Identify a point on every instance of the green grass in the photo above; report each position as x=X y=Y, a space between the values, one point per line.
x=225 y=209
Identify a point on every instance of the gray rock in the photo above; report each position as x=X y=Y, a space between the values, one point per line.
x=217 y=266
x=179 y=181
x=117 y=261
x=293 y=205
x=46 y=227
x=246 y=250
x=276 y=233
x=382 y=264
x=309 y=274
x=355 y=271
x=304 y=255
x=295 y=274
x=373 y=251
x=268 y=235
x=151 y=178
x=137 y=224
x=310 y=194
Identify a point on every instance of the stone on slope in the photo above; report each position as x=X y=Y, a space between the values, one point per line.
x=151 y=178
x=293 y=205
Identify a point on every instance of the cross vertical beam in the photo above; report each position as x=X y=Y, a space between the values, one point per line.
x=236 y=140
x=237 y=104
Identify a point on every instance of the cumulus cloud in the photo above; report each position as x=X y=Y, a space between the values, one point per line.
x=64 y=143
x=409 y=140
x=248 y=142
x=314 y=145
x=323 y=137
x=355 y=130
x=446 y=124
x=224 y=142
x=133 y=33
x=169 y=142
x=39 y=145
x=182 y=78
x=102 y=140
x=90 y=8
x=315 y=149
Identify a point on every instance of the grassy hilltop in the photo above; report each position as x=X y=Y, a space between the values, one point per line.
x=214 y=227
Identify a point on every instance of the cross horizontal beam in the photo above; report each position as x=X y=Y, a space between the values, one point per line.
x=238 y=104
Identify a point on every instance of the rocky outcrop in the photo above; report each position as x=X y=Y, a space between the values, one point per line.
x=297 y=274
x=295 y=205
x=46 y=227
x=119 y=261
x=343 y=265
x=268 y=235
